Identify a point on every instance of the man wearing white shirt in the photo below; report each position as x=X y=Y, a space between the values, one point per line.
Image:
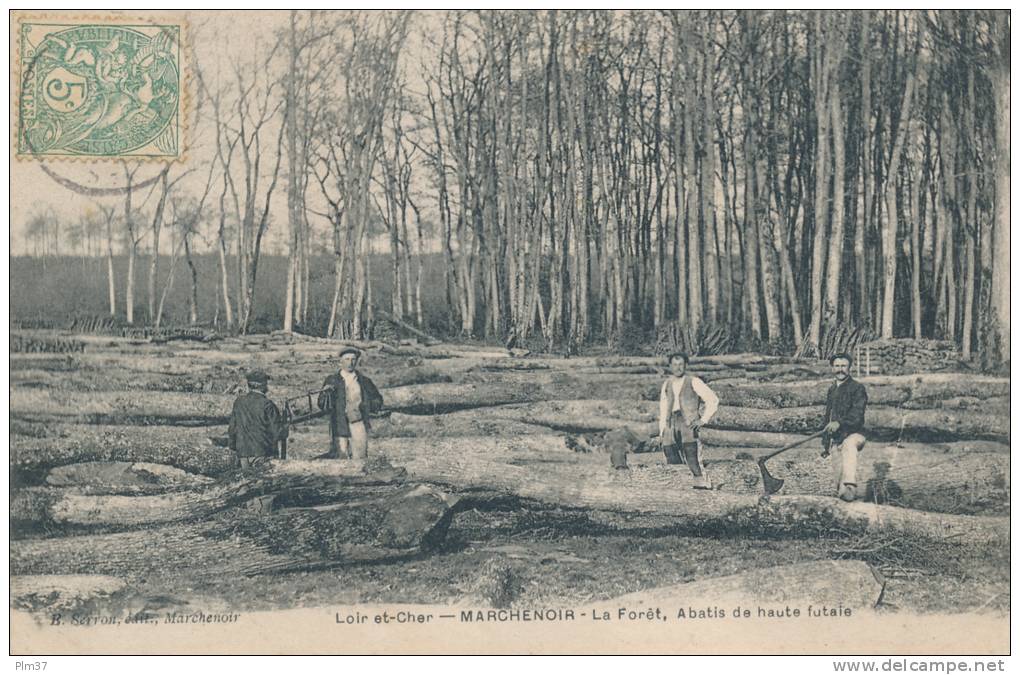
x=686 y=404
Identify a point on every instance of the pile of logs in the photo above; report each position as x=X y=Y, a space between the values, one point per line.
x=710 y=340
x=899 y=356
x=21 y=343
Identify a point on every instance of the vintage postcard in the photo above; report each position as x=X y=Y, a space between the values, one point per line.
x=510 y=332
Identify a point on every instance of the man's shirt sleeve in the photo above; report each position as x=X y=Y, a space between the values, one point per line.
x=664 y=401
x=708 y=396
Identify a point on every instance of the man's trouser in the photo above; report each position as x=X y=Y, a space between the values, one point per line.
x=353 y=447
x=678 y=452
x=844 y=463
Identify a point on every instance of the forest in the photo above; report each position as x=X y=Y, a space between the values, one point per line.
x=582 y=175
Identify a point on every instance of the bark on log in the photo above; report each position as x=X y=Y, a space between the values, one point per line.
x=405 y=522
x=185 y=448
x=125 y=478
x=880 y=422
x=850 y=584
x=136 y=407
x=666 y=491
x=36 y=508
x=918 y=477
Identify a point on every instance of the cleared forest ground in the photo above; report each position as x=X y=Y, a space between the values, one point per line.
x=554 y=526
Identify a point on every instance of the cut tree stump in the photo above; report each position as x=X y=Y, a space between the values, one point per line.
x=846 y=584
x=406 y=521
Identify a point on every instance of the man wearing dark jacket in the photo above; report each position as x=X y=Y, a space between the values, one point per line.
x=844 y=425
x=349 y=397
x=256 y=426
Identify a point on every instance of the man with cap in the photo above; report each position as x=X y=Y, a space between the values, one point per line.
x=256 y=426
x=349 y=397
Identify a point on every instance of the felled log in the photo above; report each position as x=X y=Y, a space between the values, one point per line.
x=185 y=448
x=667 y=491
x=798 y=394
x=404 y=522
x=847 y=584
x=881 y=422
x=511 y=364
x=124 y=478
x=919 y=477
x=291 y=486
x=121 y=407
x=444 y=397
x=461 y=423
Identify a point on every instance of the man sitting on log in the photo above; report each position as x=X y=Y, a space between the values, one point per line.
x=256 y=426
x=685 y=405
x=844 y=424
x=349 y=397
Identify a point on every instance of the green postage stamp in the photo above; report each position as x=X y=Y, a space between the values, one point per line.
x=99 y=89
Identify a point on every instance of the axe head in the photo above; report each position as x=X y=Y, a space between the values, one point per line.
x=771 y=484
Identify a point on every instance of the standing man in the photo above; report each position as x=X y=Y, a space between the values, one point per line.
x=685 y=405
x=350 y=398
x=844 y=425
x=256 y=426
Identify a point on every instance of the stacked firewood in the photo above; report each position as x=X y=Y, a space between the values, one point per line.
x=50 y=345
x=896 y=357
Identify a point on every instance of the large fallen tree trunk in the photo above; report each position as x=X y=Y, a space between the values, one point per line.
x=404 y=522
x=34 y=509
x=767 y=591
x=666 y=491
x=125 y=478
x=121 y=407
x=918 y=477
x=186 y=448
x=880 y=422
x=928 y=477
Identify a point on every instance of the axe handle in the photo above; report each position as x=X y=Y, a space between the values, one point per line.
x=791 y=446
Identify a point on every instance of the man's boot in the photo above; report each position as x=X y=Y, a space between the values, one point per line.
x=848 y=492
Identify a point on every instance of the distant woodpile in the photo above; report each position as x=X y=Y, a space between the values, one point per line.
x=22 y=344
x=897 y=357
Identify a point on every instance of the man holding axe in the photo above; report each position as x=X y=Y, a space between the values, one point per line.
x=844 y=425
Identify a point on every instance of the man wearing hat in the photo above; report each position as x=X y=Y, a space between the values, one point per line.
x=256 y=426
x=350 y=398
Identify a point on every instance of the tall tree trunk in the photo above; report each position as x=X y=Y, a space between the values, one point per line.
x=193 y=297
x=890 y=224
x=821 y=76
x=1000 y=78
x=709 y=207
x=109 y=264
x=835 y=266
x=157 y=224
x=866 y=172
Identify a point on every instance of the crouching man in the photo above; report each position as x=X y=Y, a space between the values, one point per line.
x=349 y=397
x=256 y=426
x=685 y=405
x=844 y=425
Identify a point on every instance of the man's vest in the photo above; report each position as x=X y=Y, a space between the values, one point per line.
x=690 y=410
